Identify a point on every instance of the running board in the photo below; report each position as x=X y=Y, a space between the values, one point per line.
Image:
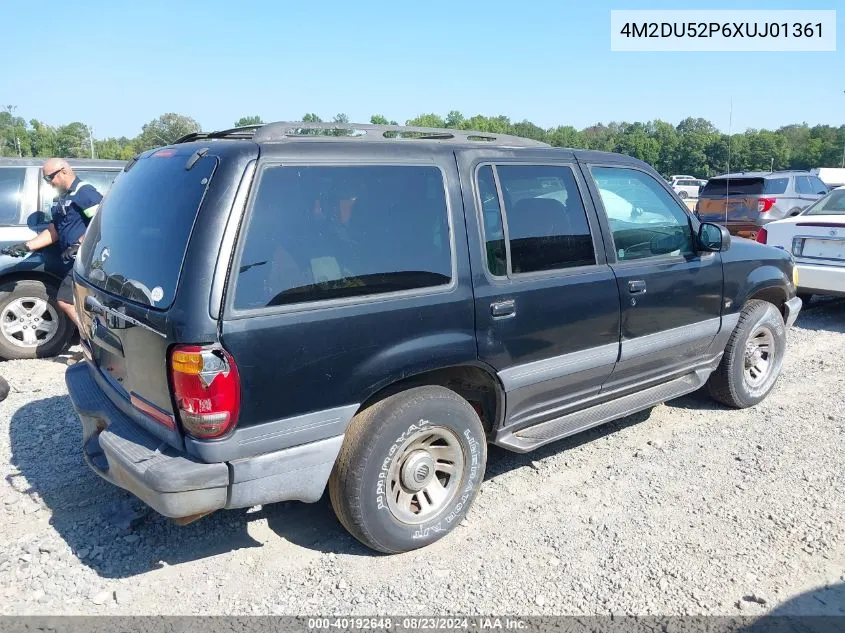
x=528 y=438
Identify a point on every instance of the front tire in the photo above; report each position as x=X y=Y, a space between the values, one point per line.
x=31 y=323
x=409 y=469
x=753 y=357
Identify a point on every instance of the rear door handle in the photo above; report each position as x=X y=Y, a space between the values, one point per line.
x=636 y=287
x=503 y=308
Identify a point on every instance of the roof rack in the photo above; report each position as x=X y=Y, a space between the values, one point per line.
x=244 y=131
x=291 y=130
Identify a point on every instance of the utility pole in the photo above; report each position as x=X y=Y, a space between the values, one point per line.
x=91 y=139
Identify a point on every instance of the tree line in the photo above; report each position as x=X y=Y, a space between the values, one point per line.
x=694 y=146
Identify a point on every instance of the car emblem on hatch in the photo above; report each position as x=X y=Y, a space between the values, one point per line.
x=834 y=232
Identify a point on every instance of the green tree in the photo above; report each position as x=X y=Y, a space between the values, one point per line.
x=527 y=129
x=248 y=120
x=165 y=130
x=310 y=117
x=378 y=119
x=454 y=119
x=667 y=140
x=634 y=140
x=565 y=136
x=72 y=141
x=42 y=139
x=601 y=137
x=427 y=120
x=14 y=140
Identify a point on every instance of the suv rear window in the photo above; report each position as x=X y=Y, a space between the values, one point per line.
x=743 y=187
x=317 y=233
x=136 y=243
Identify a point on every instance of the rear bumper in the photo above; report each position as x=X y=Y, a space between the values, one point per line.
x=819 y=279
x=176 y=484
x=790 y=311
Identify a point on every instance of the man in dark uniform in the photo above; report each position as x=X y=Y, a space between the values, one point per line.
x=76 y=205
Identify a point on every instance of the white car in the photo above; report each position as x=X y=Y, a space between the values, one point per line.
x=816 y=239
x=688 y=187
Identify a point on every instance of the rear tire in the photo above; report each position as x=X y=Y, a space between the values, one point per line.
x=753 y=357
x=31 y=304
x=409 y=469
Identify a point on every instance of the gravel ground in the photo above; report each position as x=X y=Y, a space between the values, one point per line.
x=688 y=508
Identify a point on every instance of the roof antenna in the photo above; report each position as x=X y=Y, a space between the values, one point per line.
x=728 y=181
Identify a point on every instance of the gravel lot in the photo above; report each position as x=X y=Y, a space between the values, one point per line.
x=689 y=508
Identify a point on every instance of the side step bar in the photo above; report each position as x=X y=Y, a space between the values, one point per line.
x=527 y=439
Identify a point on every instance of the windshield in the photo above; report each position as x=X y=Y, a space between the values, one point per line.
x=137 y=241
x=831 y=204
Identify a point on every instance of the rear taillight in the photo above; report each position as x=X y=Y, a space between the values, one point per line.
x=762 y=236
x=764 y=204
x=206 y=388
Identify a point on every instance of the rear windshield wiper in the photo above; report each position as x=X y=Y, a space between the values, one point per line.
x=195 y=157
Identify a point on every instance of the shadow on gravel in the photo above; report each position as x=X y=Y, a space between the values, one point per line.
x=106 y=528
x=821 y=610
x=823 y=314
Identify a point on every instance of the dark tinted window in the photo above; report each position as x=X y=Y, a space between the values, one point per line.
x=645 y=220
x=137 y=240
x=319 y=233
x=743 y=187
x=494 y=232
x=547 y=224
x=802 y=185
x=11 y=190
x=818 y=186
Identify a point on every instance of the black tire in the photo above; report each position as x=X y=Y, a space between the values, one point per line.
x=4 y=389
x=12 y=291
x=731 y=384
x=377 y=440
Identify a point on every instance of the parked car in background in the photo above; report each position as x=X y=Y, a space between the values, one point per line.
x=816 y=239
x=365 y=313
x=675 y=177
x=833 y=177
x=687 y=187
x=745 y=201
x=28 y=285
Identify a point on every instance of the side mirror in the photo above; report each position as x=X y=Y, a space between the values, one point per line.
x=714 y=238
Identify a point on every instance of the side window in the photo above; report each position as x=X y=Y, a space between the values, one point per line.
x=319 y=233
x=546 y=220
x=101 y=179
x=644 y=219
x=11 y=192
x=818 y=186
x=494 y=232
x=802 y=185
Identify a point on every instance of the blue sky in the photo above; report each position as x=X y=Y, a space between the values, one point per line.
x=118 y=66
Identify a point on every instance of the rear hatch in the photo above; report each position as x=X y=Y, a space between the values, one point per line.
x=738 y=201
x=128 y=272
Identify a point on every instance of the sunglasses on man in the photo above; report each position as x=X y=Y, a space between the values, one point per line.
x=49 y=177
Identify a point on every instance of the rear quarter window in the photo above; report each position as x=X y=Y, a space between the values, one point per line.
x=319 y=233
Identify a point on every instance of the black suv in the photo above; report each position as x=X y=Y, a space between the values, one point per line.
x=273 y=310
